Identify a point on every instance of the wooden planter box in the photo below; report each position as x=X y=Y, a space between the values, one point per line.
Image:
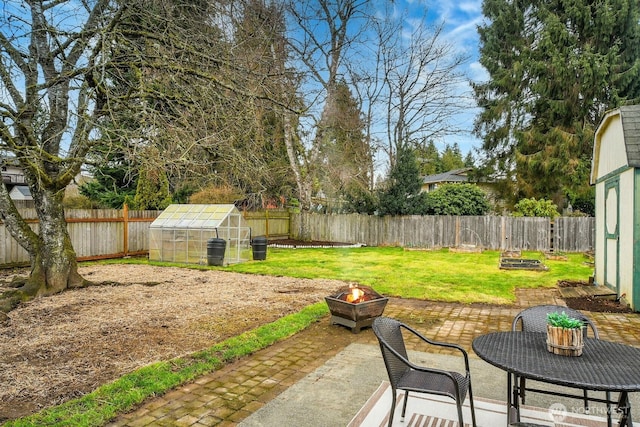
x=565 y=342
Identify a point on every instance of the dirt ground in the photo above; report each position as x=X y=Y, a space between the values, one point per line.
x=56 y=348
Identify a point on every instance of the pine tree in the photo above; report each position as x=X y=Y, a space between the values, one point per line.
x=402 y=194
x=555 y=67
x=451 y=158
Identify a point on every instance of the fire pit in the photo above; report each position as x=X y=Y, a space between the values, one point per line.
x=356 y=307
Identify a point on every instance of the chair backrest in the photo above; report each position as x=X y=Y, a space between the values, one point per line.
x=534 y=319
x=389 y=334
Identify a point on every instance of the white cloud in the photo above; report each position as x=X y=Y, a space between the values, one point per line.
x=477 y=72
x=471 y=7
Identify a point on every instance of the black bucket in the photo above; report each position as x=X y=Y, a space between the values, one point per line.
x=215 y=251
x=259 y=246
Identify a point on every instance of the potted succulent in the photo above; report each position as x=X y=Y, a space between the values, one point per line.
x=564 y=334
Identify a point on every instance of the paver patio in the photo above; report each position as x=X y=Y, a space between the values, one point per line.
x=227 y=396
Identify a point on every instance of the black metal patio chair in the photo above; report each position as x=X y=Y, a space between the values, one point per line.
x=407 y=376
x=534 y=319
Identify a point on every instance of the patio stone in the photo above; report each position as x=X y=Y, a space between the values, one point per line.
x=253 y=381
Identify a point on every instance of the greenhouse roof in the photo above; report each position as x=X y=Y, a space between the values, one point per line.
x=194 y=216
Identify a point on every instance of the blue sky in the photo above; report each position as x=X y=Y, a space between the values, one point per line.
x=461 y=20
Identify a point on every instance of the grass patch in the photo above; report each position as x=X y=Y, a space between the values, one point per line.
x=429 y=275
x=434 y=275
x=106 y=402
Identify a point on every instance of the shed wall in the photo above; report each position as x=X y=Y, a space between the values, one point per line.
x=614 y=260
x=612 y=152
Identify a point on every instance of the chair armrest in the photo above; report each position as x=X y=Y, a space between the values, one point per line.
x=420 y=368
x=514 y=324
x=441 y=344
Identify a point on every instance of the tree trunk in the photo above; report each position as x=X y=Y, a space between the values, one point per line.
x=53 y=267
x=304 y=187
x=53 y=260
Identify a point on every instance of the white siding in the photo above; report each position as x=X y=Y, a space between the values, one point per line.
x=610 y=154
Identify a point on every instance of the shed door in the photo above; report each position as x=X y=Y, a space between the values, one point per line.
x=612 y=230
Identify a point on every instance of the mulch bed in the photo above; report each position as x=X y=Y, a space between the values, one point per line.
x=597 y=304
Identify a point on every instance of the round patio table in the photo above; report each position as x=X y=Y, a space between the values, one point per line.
x=604 y=365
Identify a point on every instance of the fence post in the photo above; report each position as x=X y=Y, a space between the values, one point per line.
x=266 y=221
x=125 y=232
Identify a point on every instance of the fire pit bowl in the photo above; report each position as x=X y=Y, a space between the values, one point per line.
x=355 y=307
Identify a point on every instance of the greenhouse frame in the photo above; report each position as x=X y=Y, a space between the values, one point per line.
x=181 y=232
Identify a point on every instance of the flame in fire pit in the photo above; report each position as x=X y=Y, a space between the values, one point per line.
x=356 y=294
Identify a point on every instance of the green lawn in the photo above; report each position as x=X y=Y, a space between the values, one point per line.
x=435 y=275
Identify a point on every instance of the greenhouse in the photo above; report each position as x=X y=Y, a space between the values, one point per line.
x=194 y=234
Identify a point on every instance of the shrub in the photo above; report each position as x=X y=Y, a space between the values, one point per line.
x=533 y=207
x=78 y=202
x=457 y=199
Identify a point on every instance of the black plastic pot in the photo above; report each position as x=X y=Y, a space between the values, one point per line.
x=259 y=247
x=215 y=251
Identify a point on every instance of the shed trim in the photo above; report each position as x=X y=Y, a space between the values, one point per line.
x=612 y=174
x=635 y=299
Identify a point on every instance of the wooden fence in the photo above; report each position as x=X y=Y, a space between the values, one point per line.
x=272 y=223
x=95 y=233
x=566 y=234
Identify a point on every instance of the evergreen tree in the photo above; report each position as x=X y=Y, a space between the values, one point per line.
x=344 y=152
x=428 y=158
x=152 y=191
x=402 y=194
x=451 y=158
x=114 y=178
x=555 y=67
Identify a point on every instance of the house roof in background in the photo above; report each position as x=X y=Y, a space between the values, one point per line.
x=23 y=189
x=456 y=175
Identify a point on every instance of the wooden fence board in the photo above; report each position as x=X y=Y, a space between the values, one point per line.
x=272 y=223
x=570 y=234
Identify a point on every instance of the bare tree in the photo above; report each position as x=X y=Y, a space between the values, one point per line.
x=425 y=88
x=46 y=52
x=321 y=35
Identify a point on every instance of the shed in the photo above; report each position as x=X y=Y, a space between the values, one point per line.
x=20 y=192
x=615 y=172
x=180 y=233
